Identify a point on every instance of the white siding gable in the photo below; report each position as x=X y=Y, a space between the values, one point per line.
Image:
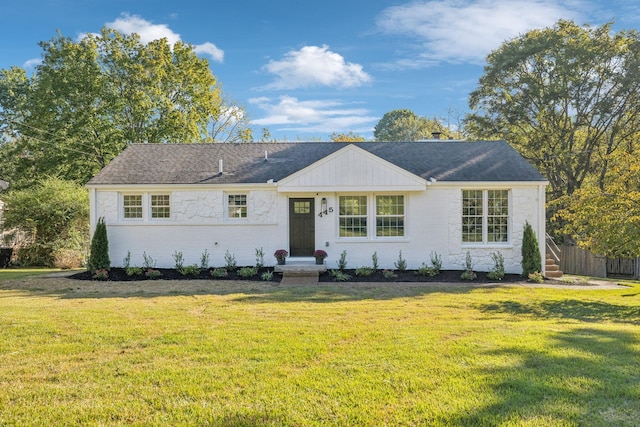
x=352 y=169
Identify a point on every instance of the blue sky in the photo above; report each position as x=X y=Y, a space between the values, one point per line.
x=304 y=69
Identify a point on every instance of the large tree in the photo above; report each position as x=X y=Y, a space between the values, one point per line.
x=405 y=125
x=88 y=99
x=566 y=97
x=607 y=221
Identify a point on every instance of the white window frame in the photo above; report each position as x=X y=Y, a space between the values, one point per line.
x=372 y=217
x=146 y=206
x=152 y=206
x=123 y=206
x=366 y=216
x=485 y=218
x=402 y=216
x=228 y=206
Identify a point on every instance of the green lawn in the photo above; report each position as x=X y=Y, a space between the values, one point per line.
x=260 y=354
x=16 y=273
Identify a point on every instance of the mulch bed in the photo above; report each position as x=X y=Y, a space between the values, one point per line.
x=447 y=276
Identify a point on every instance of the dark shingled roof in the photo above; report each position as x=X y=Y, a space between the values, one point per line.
x=245 y=162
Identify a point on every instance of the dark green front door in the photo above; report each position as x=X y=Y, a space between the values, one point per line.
x=302 y=227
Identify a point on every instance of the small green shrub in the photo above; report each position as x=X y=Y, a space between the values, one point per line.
x=149 y=263
x=342 y=262
x=247 y=272
x=127 y=260
x=468 y=273
x=389 y=274
x=259 y=257
x=133 y=271
x=101 y=274
x=436 y=262
x=374 y=260
x=364 y=271
x=189 y=270
x=267 y=276
x=230 y=261
x=497 y=272
x=340 y=276
x=536 y=277
x=401 y=263
x=219 y=273
x=179 y=260
x=153 y=273
x=425 y=270
x=204 y=260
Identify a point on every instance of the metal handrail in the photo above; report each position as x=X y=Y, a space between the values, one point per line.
x=552 y=247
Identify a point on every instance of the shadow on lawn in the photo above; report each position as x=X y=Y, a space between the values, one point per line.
x=585 y=376
x=247 y=291
x=585 y=311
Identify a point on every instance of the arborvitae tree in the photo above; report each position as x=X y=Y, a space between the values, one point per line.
x=99 y=256
x=531 y=259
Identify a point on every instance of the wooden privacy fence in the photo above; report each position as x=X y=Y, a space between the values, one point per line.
x=623 y=267
x=575 y=260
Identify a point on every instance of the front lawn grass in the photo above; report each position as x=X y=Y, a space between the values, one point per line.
x=251 y=353
x=16 y=273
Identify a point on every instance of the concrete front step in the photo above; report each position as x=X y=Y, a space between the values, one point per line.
x=552 y=269
x=300 y=265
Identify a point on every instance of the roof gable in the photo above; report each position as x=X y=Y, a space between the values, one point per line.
x=352 y=169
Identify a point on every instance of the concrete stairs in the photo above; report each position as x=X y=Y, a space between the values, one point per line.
x=552 y=269
x=300 y=271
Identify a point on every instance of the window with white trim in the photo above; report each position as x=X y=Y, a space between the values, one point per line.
x=390 y=216
x=373 y=216
x=160 y=206
x=132 y=206
x=485 y=216
x=237 y=206
x=352 y=216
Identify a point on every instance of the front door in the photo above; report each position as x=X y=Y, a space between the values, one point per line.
x=302 y=227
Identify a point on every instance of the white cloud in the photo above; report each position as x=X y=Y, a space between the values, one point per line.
x=315 y=66
x=31 y=63
x=210 y=49
x=467 y=30
x=289 y=113
x=148 y=31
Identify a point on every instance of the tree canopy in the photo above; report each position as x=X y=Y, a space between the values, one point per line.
x=346 y=137
x=88 y=99
x=405 y=125
x=566 y=97
x=607 y=221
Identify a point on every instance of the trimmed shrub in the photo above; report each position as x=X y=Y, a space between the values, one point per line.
x=531 y=259
x=99 y=255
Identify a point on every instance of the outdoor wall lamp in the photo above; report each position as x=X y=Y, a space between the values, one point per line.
x=323 y=207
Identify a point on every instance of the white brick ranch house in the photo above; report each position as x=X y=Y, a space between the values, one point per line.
x=448 y=197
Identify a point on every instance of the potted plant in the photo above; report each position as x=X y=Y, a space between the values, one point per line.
x=281 y=255
x=320 y=255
